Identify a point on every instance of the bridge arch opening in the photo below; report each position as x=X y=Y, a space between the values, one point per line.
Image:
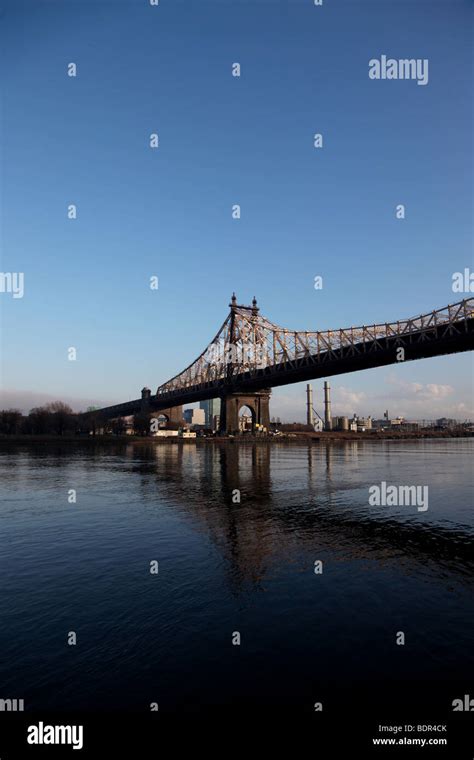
x=247 y=418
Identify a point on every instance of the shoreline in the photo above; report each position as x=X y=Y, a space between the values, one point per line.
x=295 y=437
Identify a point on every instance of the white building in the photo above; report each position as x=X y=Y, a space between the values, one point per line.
x=195 y=416
x=245 y=422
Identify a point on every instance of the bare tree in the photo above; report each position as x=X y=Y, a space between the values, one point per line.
x=10 y=421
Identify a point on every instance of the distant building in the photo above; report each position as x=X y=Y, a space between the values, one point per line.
x=245 y=422
x=446 y=422
x=397 y=421
x=388 y=423
x=340 y=423
x=411 y=425
x=356 y=424
x=195 y=416
x=212 y=410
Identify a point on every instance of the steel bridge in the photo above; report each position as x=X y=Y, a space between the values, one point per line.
x=249 y=355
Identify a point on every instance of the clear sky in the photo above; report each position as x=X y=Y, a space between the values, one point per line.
x=227 y=140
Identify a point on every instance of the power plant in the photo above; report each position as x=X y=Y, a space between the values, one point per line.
x=342 y=423
x=313 y=418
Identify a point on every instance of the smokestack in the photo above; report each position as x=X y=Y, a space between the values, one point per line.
x=309 y=405
x=327 y=407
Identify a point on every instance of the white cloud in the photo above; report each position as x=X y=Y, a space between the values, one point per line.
x=418 y=391
x=344 y=398
x=412 y=400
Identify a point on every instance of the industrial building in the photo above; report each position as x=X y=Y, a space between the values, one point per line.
x=343 y=423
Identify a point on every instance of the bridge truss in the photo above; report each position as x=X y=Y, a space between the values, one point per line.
x=250 y=354
x=249 y=345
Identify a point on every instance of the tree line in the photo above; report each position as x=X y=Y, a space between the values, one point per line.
x=57 y=418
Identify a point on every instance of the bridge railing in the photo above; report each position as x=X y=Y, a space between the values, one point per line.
x=300 y=344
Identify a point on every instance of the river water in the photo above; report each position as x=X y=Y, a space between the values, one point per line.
x=227 y=567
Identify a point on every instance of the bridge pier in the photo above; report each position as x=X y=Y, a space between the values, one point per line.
x=172 y=414
x=231 y=404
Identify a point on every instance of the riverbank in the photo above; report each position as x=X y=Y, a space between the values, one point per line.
x=296 y=437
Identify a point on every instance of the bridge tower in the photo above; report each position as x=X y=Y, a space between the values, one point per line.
x=232 y=400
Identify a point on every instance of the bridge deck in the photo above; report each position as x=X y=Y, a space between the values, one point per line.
x=430 y=341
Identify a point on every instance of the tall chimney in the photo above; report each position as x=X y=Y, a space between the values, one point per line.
x=327 y=407
x=309 y=405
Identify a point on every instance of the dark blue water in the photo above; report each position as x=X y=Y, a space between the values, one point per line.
x=226 y=567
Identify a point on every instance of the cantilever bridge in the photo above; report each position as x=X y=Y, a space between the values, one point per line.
x=250 y=355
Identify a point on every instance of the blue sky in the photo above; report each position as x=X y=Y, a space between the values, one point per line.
x=224 y=141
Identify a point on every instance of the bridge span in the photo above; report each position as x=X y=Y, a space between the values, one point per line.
x=249 y=355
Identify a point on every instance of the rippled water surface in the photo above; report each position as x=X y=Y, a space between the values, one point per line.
x=226 y=566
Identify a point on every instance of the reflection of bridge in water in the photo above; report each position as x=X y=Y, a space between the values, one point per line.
x=306 y=514
x=250 y=355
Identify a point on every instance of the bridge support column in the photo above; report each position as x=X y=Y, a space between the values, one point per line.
x=231 y=404
x=173 y=413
